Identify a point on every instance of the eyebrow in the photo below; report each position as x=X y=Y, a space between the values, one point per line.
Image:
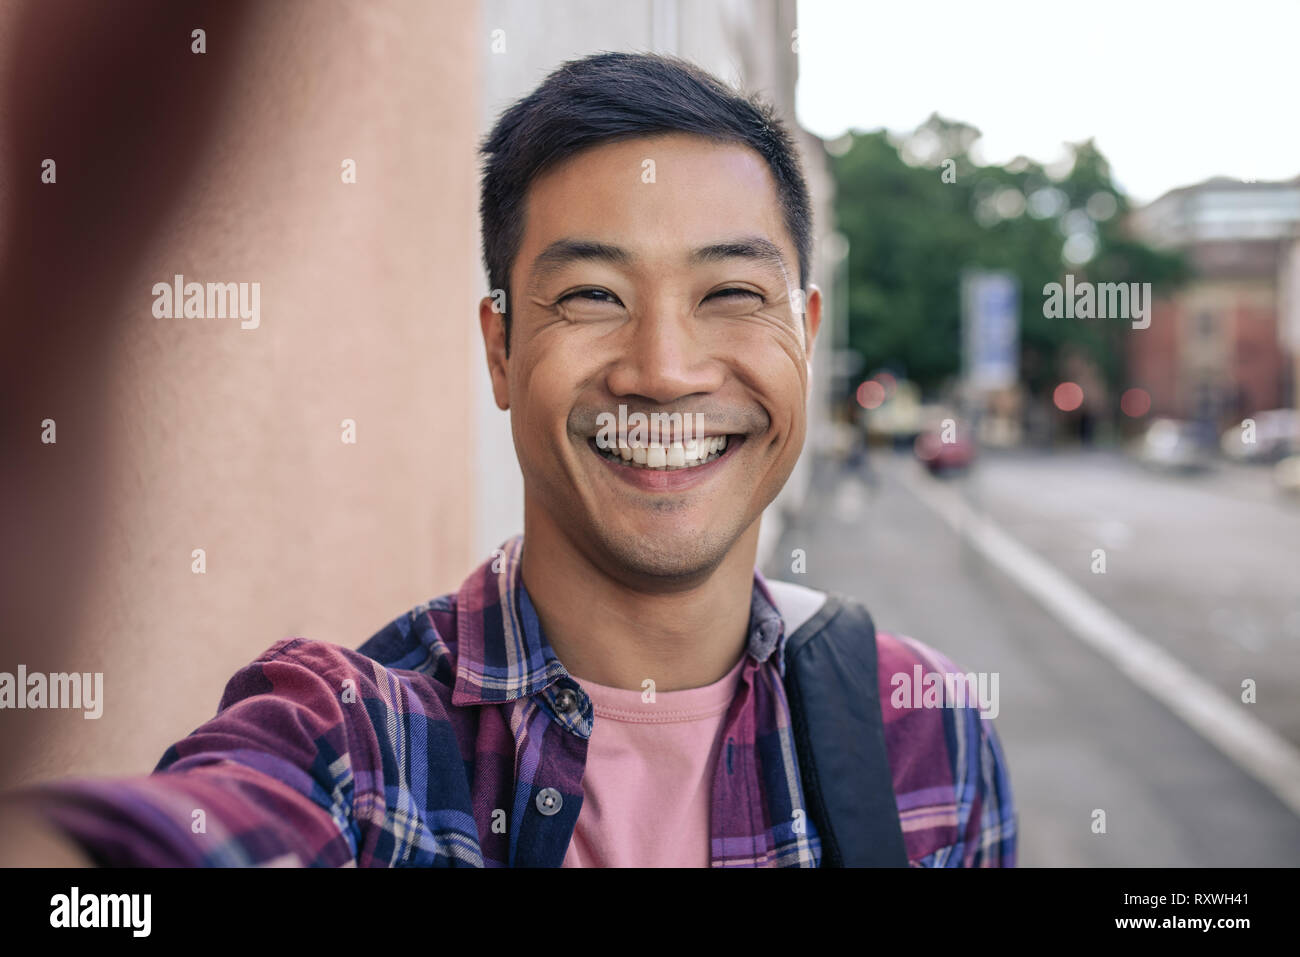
x=563 y=252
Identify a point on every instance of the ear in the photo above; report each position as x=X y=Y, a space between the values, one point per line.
x=812 y=318
x=493 y=324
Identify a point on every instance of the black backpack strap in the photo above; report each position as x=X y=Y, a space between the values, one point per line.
x=831 y=682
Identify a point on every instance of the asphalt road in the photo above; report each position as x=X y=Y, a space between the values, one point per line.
x=1206 y=566
x=1078 y=734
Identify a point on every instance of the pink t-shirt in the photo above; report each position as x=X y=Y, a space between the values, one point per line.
x=649 y=777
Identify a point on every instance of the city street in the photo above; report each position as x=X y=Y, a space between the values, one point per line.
x=1207 y=566
x=1203 y=568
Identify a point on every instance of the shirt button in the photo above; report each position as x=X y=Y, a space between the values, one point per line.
x=549 y=801
x=566 y=701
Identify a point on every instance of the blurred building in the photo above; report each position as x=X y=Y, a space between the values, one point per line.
x=1226 y=344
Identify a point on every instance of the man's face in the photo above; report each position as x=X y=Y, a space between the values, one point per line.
x=646 y=278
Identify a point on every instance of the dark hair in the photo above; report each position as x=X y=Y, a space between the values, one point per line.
x=613 y=96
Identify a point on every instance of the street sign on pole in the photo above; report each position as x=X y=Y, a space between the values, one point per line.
x=990 y=313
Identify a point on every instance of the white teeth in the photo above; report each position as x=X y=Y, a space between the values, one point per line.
x=681 y=454
x=678 y=455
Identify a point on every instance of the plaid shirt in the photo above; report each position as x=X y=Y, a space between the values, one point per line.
x=454 y=736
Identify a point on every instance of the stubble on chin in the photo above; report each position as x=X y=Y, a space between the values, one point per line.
x=670 y=560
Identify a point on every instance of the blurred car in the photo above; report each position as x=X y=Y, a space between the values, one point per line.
x=1276 y=435
x=897 y=420
x=1173 y=445
x=945 y=445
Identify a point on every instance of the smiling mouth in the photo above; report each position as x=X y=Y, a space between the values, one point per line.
x=677 y=456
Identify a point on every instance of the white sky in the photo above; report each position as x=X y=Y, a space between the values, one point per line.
x=1173 y=92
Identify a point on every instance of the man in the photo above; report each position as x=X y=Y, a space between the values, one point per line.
x=614 y=687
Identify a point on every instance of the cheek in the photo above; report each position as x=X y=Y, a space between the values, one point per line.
x=541 y=394
x=777 y=370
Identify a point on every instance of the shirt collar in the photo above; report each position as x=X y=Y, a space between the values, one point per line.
x=502 y=654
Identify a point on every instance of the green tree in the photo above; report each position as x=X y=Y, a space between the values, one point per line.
x=919 y=210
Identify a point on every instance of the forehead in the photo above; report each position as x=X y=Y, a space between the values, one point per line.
x=657 y=195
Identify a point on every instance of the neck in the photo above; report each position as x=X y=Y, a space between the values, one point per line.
x=618 y=633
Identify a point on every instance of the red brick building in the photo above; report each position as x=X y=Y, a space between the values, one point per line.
x=1225 y=345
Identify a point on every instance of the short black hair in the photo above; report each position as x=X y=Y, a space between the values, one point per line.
x=612 y=96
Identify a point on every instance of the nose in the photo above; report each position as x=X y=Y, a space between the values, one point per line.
x=664 y=359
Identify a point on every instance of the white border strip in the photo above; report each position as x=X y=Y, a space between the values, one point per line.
x=1248 y=742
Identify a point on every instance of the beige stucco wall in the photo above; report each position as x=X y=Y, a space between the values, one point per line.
x=177 y=434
